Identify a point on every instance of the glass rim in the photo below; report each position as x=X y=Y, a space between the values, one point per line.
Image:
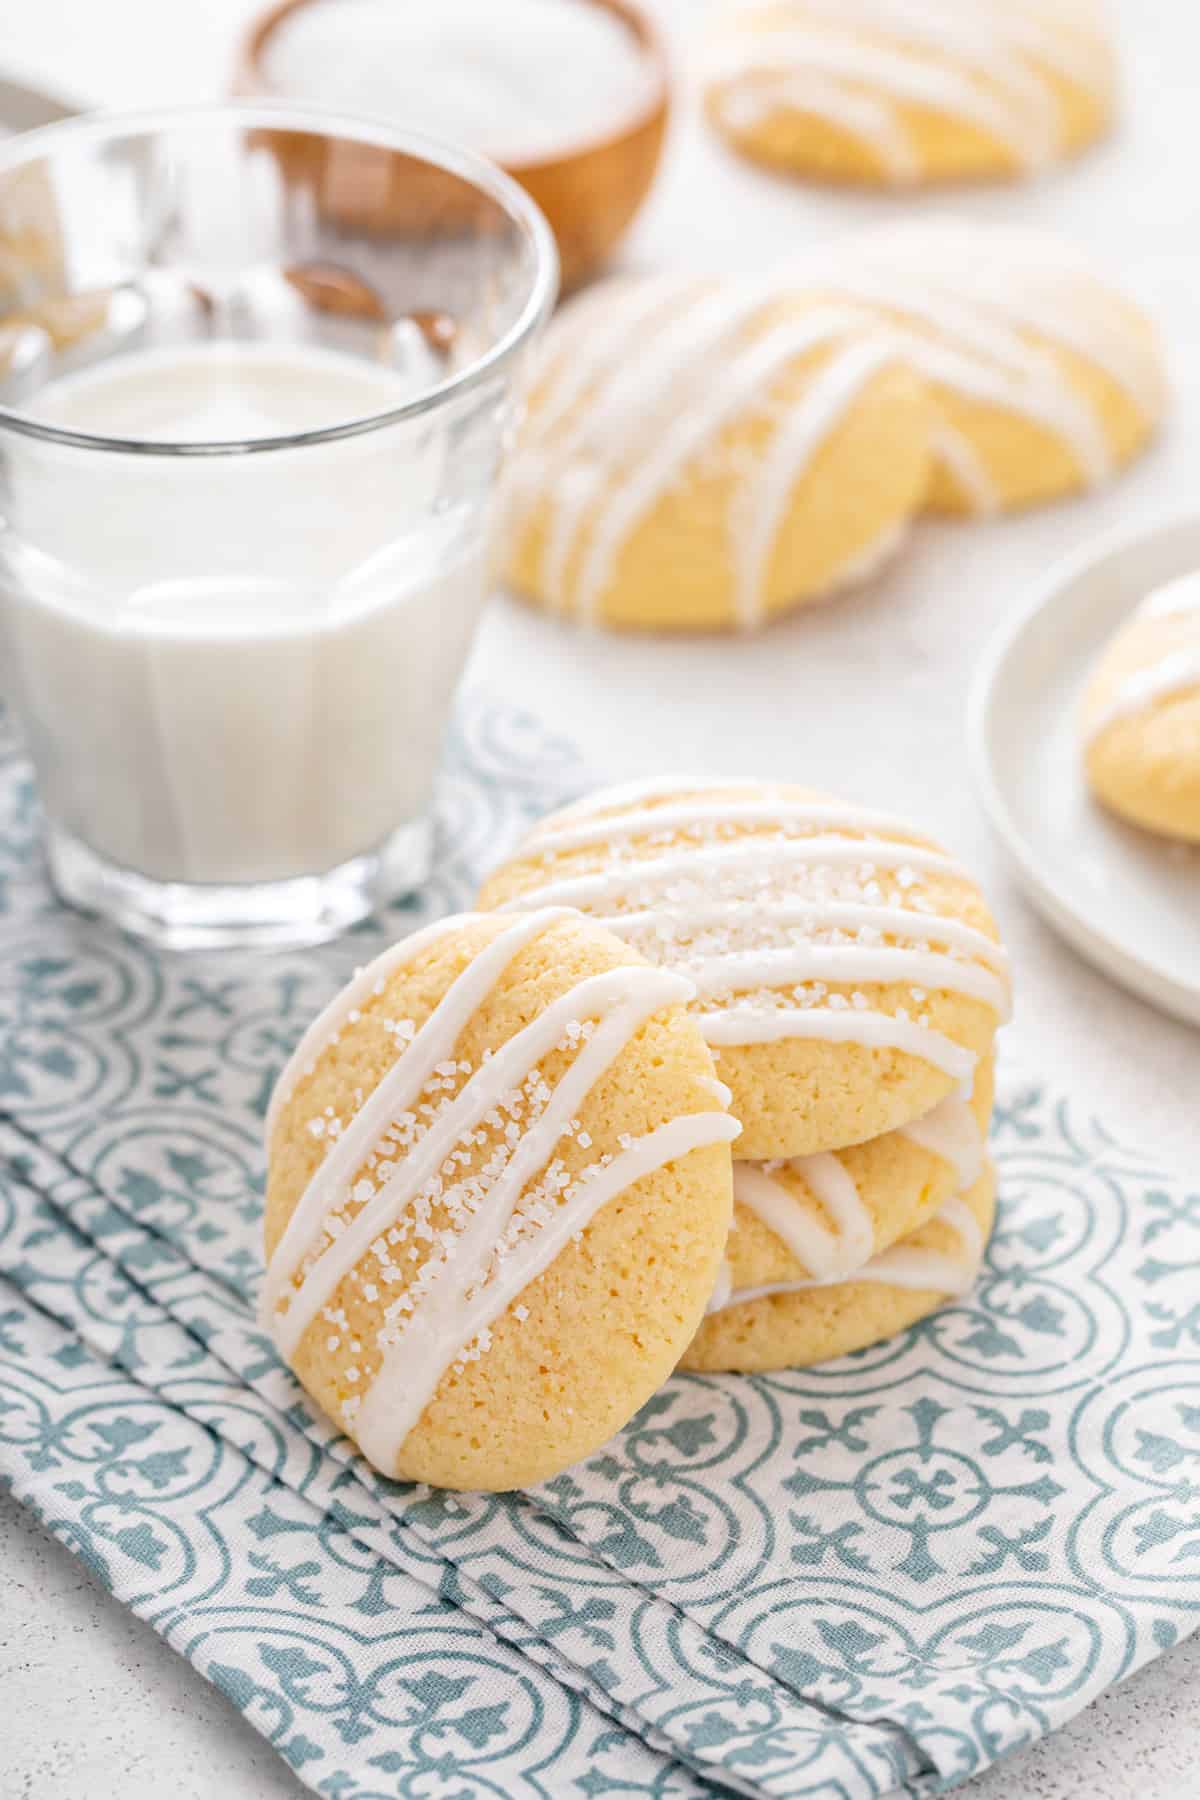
x=329 y=122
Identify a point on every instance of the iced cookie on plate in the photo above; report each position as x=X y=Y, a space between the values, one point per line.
x=900 y=93
x=498 y=1197
x=761 y=1317
x=704 y=454
x=1046 y=378
x=1141 y=715
x=848 y=972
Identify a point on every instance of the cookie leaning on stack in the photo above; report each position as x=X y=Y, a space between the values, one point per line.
x=850 y=982
x=498 y=1197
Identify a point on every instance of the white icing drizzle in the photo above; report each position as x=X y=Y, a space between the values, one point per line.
x=1173 y=599
x=597 y=436
x=953 y=448
x=714 y=403
x=627 y=794
x=735 y=1025
x=985 y=62
x=593 y=337
x=326 y=1028
x=474 y=1272
x=827 y=1250
x=400 y=1087
x=822 y=915
x=862 y=116
x=979 y=313
x=835 y=1250
x=987 y=356
x=722 y=1290
x=655 y=821
x=1175 y=670
x=986 y=287
x=786 y=933
x=841 y=964
x=597 y=995
x=832 y=393
x=979 y=350
x=1037 y=390
x=1024 y=121
x=762 y=859
x=710 y=325
x=590 y=342
x=902 y=1266
x=952 y=1132
x=718 y=1089
x=613 y=430
x=984 y=34
x=1178 y=672
x=608 y=433
x=873 y=556
x=416 y=1362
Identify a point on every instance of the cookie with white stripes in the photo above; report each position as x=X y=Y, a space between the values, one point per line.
x=904 y=93
x=822 y=1217
x=702 y=454
x=498 y=1197
x=1141 y=715
x=1046 y=378
x=754 y=1325
x=847 y=972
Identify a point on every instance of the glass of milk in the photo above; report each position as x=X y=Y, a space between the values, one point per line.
x=257 y=371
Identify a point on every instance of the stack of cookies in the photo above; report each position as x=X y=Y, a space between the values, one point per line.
x=502 y=1205
x=849 y=983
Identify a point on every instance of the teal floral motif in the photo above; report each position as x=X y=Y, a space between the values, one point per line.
x=917 y=1491
x=1165 y=1210
x=41 y=997
x=1017 y=1113
x=867 y=1579
x=1180 y=1324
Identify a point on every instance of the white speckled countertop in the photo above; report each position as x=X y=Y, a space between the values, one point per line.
x=866 y=696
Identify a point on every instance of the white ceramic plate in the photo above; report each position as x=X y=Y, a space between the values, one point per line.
x=1130 y=902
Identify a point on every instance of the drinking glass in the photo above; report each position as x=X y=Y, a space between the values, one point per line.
x=258 y=367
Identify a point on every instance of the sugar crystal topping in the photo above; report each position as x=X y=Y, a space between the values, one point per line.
x=783 y=913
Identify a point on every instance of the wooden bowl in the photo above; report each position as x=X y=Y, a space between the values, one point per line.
x=589 y=192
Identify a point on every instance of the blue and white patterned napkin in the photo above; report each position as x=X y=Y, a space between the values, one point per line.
x=870 y=1579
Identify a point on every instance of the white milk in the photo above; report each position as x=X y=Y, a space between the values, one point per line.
x=234 y=668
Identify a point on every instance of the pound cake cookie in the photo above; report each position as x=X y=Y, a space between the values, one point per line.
x=702 y=454
x=760 y=1318
x=848 y=974
x=1141 y=715
x=822 y=1217
x=900 y=93
x=1046 y=379
x=498 y=1197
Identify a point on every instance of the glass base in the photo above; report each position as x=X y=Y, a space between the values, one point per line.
x=180 y=915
